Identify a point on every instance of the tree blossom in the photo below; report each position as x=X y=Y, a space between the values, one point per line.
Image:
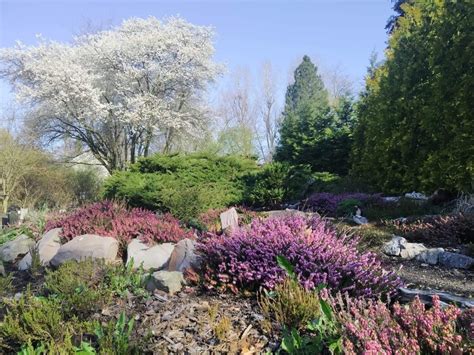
x=117 y=90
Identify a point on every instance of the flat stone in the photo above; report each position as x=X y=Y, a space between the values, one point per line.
x=430 y=256
x=454 y=260
x=411 y=250
x=16 y=247
x=87 y=246
x=229 y=219
x=150 y=258
x=394 y=246
x=47 y=247
x=167 y=281
x=183 y=256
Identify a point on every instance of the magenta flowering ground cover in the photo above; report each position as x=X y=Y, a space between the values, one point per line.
x=112 y=219
x=246 y=259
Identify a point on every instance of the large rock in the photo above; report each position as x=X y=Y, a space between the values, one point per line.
x=229 y=219
x=150 y=258
x=87 y=246
x=454 y=260
x=411 y=250
x=430 y=256
x=16 y=247
x=167 y=281
x=289 y=212
x=2 y=269
x=183 y=256
x=360 y=220
x=47 y=247
x=394 y=246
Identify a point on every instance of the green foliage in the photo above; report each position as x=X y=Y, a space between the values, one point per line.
x=6 y=285
x=415 y=117
x=347 y=207
x=32 y=319
x=277 y=183
x=8 y=234
x=312 y=132
x=403 y=208
x=290 y=304
x=115 y=337
x=85 y=185
x=185 y=185
x=79 y=287
x=125 y=279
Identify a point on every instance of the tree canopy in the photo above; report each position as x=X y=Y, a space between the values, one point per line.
x=415 y=127
x=118 y=90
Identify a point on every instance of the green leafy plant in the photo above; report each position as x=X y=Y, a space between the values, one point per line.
x=124 y=278
x=347 y=207
x=115 y=337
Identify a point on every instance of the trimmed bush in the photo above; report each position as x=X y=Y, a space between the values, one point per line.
x=276 y=184
x=112 y=219
x=247 y=258
x=184 y=185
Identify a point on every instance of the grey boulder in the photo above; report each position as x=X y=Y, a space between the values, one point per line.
x=411 y=250
x=16 y=247
x=87 y=246
x=454 y=260
x=47 y=247
x=183 y=256
x=167 y=281
x=430 y=256
x=394 y=246
x=150 y=258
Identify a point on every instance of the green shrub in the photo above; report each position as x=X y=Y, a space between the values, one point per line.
x=289 y=304
x=405 y=207
x=79 y=286
x=34 y=320
x=277 y=183
x=186 y=184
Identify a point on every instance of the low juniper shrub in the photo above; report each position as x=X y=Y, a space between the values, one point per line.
x=247 y=258
x=113 y=219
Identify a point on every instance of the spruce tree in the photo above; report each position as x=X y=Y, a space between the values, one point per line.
x=310 y=132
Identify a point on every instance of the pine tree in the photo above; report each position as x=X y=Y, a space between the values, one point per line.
x=311 y=132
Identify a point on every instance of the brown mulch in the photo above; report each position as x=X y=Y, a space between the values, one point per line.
x=193 y=322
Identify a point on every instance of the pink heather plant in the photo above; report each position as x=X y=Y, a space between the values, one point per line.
x=246 y=259
x=112 y=219
x=369 y=327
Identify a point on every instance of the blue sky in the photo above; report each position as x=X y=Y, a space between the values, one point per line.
x=333 y=33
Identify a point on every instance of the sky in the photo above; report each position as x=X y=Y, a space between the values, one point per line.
x=334 y=33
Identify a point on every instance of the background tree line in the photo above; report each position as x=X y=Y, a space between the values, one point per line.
x=411 y=127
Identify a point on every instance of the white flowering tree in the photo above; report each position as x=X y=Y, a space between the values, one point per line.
x=117 y=90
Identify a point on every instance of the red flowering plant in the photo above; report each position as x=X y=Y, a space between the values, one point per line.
x=113 y=219
x=247 y=258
